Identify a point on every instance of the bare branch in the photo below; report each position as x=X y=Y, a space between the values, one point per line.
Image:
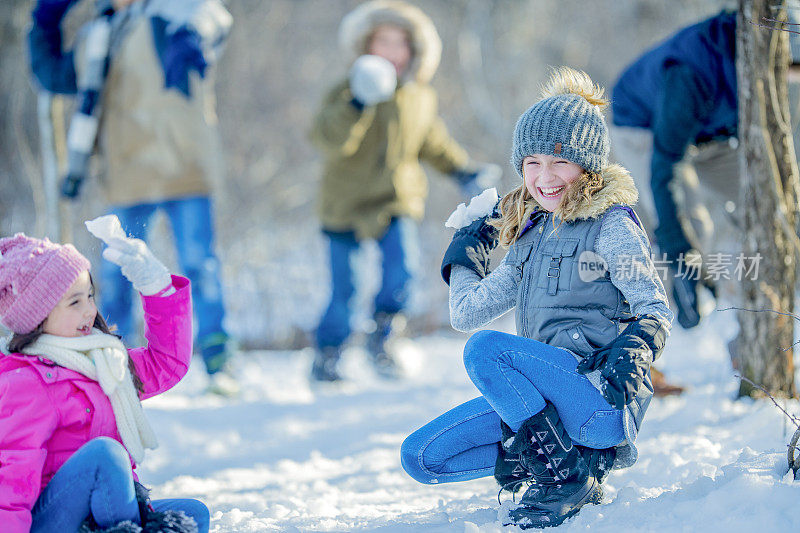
x=767 y=19
x=760 y=25
x=794 y=419
x=767 y=311
x=761 y=311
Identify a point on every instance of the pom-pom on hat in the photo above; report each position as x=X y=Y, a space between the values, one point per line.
x=34 y=275
x=567 y=122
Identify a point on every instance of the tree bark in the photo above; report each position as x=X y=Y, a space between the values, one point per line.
x=18 y=149
x=769 y=198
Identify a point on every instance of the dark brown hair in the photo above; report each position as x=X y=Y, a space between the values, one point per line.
x=19 y=341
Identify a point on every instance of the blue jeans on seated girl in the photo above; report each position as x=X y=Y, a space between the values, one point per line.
x=98 y=480
x=515 y=375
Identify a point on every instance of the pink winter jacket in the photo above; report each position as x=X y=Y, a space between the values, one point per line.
x=47 y=412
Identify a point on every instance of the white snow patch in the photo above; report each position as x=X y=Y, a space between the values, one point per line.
x=286 y=456
x=480 y=205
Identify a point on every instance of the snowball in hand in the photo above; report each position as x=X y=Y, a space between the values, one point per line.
x=147 y=274
x=108 y=229
x=373 y=79
x=480 y=205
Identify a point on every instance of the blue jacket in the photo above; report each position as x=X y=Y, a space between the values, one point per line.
x=52 y=66
x=685 y=91
x=179 y=51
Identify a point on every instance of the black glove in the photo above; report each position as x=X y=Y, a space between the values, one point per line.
x=471 y=246
x=152 y=520
x=624 y=362
x=71 y=186
x=684 y=292
x=686 y=286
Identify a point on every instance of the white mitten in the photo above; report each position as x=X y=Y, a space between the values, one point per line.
x=373 y=79
x=147 y=274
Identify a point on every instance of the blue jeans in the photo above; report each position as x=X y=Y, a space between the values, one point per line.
x=193 y=233
x=515 y=375
x=334 y=327
x=98 y=480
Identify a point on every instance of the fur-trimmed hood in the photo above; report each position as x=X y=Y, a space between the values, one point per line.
x=618 y=188
x=426 y=45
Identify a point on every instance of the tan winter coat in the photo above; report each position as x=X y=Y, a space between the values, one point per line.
x=156 y=144
x=372 y=157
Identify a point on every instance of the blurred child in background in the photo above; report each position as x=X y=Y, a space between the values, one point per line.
x=374 y=128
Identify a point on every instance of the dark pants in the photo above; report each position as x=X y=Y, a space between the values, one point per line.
x=334 y=327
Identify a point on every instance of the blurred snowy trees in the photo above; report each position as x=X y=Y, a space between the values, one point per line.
x=281 y=58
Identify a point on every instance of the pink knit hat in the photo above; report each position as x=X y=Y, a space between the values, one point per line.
x=34 y=275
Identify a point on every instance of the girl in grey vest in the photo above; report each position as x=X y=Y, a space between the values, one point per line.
x=562 y=400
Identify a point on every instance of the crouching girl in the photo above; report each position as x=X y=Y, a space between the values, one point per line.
x=562 y=400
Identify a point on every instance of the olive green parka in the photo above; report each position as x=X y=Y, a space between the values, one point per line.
x=372 y=169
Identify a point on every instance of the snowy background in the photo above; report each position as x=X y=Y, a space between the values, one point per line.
x=286 y=457
x=280 y=60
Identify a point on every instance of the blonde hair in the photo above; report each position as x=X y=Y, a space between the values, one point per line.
x=517 y=206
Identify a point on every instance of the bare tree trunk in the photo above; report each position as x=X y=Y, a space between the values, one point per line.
x=769 y=197
x=18 y=126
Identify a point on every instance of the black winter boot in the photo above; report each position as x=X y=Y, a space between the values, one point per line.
x=123 y=527
x=169 y=522
x=599 y=461
x=508 y=470
x=152 y=521
x=511 y=475
x=383 y=361
x=325 y=361
x=564 y=482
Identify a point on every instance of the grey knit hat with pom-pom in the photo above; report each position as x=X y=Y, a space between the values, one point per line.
x=567 y=122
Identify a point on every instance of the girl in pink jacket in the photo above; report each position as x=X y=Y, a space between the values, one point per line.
x=72 y=426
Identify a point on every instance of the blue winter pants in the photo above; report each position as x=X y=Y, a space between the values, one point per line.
x=334 y=327
x=193 y=233
x=98 y=480
x=515 y=376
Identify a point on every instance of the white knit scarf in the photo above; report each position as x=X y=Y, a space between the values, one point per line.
x=103 y=358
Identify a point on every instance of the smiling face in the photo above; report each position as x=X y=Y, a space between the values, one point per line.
x=74 y=315
x=547 y=178
x=393 y=44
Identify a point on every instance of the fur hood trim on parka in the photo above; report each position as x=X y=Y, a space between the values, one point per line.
x=426 y=45
x=618 y=188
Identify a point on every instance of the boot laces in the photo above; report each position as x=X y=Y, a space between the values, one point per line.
x=537 y=478
x=513 y=487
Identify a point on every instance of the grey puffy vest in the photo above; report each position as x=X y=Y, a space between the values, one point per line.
x=556 y=306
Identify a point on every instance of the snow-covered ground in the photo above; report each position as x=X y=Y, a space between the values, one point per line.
x=289 y=457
